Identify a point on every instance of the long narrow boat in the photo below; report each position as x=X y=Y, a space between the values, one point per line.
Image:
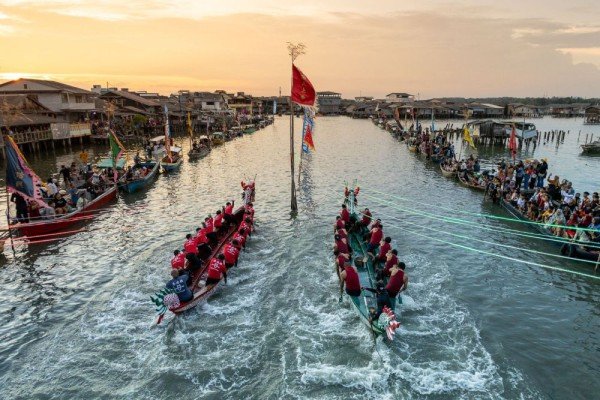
x=200 y=292
x=62 y=222
x=386 y=324
x=172 y=166
x=469 y=184
x=199 y=277
x=137 y=184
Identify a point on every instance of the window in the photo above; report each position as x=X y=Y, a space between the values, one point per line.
x=24 y=86
x=210 y=103
x=65 y=98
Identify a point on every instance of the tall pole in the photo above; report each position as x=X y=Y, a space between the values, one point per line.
x=294 y=50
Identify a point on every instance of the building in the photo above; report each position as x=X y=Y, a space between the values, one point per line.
x=362 y=99
x=204 y=101
x=329 y=103
x=125 y=102
x=399 y=98
x=69 y=103
x=240 y=103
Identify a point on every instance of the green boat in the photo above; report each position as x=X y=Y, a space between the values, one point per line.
x=386 y=323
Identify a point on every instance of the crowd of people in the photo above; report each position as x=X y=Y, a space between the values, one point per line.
x=547 y=199
x=69 y=190
x=390 y=275
x=198 y=251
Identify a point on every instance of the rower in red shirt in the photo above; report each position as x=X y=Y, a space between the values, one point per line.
x=349 y=276
x=209 y=224
x=201 y=236
x=178 y=260
x=376 y=236
x=228 y=212
x=231 y=252
x=345 y=214
x=339 y=224
x=249 y=209
x=343 y=233
x=240 y=236
x=190 y=245
x=384 y=247
x=391 y=260
x=341 y=245
x=247 y=226
x=218 y=221
x=398 y=280
x=366 y=218
x=216 y=270
x=340 y=260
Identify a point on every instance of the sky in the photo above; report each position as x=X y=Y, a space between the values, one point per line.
x=429 y=48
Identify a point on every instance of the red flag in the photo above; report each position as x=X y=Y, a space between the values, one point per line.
x=512 y=143
x=308 y=140
x=303 y=91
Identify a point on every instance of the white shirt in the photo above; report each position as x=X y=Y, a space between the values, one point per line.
x=52 y=189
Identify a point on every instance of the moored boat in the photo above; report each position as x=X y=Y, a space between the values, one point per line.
x=469 y=181
x=135 y=184
x=217 y=138
x=449 y=171
x=173 y=163
x=589 y=148
x=200 y=148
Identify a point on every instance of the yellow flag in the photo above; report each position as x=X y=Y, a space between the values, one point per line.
x=467 y=137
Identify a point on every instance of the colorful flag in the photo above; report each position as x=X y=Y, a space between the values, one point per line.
x=20 y=178
x=117 y=150
x=512 y=143
x=307 y=129
x=303 y=92
x=467 y=137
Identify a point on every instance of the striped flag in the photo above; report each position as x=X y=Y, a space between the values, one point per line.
x=307 y=130
x=20 y=178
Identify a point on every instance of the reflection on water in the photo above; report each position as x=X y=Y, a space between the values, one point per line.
x=79 y=323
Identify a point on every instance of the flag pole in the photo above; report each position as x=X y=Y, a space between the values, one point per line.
x=294 y=51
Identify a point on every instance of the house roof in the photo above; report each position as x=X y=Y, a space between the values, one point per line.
x=53 y=86
x=399 y=94
x=27 y=119
x=328 y=93
x=131 y=96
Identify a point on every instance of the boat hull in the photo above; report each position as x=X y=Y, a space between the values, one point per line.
x=446 y=173
x=171 y=167
x=33 y=229
x=138 y=184
x=469 y=185
x=196 y=155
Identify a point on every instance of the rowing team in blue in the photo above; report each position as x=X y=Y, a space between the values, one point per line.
x=198 y=248
x=386 y=264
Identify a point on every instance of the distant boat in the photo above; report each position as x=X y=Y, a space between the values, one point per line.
x=592 y=147
x=524 y=130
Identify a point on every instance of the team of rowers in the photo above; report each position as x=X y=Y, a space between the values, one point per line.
x=198 y=248
x=390 y=271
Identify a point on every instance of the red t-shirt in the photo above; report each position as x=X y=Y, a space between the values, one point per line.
x=246 y=226
x=216 y=268
x=352 y=279
x=376 y=236
x=201 y=237
x=339 y=224
x=218 y=220
x=395 y=282
x=240 y=238
x=389 y=264
x=341 y=259
x=383 y=249
x=229 y=209
x=231 y=253
x=345 y=215
x=250 y=210
x=342 y=234
x=190 y=246
x=341 y=246
x=178 y=261
x=366 y=219
x=209 y=225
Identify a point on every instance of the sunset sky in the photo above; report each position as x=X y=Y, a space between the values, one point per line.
x=430 y=48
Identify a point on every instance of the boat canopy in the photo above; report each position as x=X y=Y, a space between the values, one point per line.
x=108 y=163
x=218 y=134
x=158 y=139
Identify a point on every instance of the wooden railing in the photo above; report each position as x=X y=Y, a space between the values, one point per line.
x=29 y=137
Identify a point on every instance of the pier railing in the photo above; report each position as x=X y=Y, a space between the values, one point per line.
x=29 y=137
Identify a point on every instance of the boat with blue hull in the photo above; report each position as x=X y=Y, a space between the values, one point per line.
x=134 y=185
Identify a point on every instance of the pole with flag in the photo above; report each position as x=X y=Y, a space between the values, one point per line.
x=117 y=150
x=302 y=93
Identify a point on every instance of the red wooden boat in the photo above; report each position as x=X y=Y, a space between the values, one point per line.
x=200 y=292
x=62 y=222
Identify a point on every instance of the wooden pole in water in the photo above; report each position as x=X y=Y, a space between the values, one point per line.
x=294 y=50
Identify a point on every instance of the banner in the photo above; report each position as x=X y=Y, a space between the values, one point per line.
x=512 y=143
x=307 y=130
x=467 y=137
x=303 y=92
x=167 y=133
x=20 y=177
